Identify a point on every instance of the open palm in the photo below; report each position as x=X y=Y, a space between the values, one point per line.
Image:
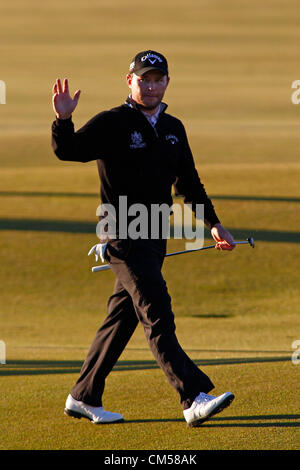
x=63 y=103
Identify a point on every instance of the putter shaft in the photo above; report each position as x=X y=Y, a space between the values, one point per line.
x=249 y=241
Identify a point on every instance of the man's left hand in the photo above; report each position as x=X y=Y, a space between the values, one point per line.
x=99 y=251
x=224 y=239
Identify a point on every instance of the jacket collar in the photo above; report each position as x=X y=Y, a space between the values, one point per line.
x=132 y=104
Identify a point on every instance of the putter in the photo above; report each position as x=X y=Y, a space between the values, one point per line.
x=249 y=241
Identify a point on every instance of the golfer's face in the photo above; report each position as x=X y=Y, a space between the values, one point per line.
x=148 y=90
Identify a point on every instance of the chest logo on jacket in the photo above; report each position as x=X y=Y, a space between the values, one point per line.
x=172 y=138
x=137 y=141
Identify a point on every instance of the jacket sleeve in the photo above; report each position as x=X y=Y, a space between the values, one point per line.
x=189 y=185
x=85 y=145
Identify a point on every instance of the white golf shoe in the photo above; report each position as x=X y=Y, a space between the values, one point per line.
x=96 y=414
x=204 y=406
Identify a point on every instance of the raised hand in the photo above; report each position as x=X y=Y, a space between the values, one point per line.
x=63 y=103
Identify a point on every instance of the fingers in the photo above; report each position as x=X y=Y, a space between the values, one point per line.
x=63 y=103
x=58 y=86
x=76 y=95
x=54 y=89
x=215 y=234
x=224 y=245
x=224 y=239
x=66 y=86
x=92 y=250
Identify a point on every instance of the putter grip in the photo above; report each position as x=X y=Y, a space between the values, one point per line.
x=100 y=268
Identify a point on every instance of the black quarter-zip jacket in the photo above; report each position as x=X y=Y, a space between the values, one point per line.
x=134 y=159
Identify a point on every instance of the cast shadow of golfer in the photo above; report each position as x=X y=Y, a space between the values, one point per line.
x=257 y=421
x=89 y=227
x=42 y=367
x=86 y=227
x=224 y=197
x=48 y=367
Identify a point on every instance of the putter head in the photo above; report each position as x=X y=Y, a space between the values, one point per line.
x=251 y=241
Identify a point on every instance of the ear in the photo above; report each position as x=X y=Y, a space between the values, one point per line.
x=129 y=80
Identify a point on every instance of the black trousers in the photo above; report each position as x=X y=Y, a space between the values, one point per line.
x=140 y=294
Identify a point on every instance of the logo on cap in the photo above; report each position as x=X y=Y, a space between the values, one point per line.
x=147 y=60
x=152 y=58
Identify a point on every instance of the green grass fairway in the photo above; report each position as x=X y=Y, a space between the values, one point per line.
x=237 y=314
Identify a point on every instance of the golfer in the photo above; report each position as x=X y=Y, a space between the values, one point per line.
x=141 y=152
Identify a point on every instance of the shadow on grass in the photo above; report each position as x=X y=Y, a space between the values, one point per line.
x=77 y=226
x=40 y=367
x=268 y=421
x=211 y=315
x=232 y=197
x=230 y=421
x=226 y=197
x=40 y=225
x=47 y=194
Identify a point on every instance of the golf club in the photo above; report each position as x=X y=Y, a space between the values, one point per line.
x=249 y=241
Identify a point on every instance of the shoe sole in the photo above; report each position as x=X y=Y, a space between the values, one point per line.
x=75 y=414
x=225 y=403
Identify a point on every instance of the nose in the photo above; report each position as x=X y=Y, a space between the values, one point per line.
x=151 y=86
